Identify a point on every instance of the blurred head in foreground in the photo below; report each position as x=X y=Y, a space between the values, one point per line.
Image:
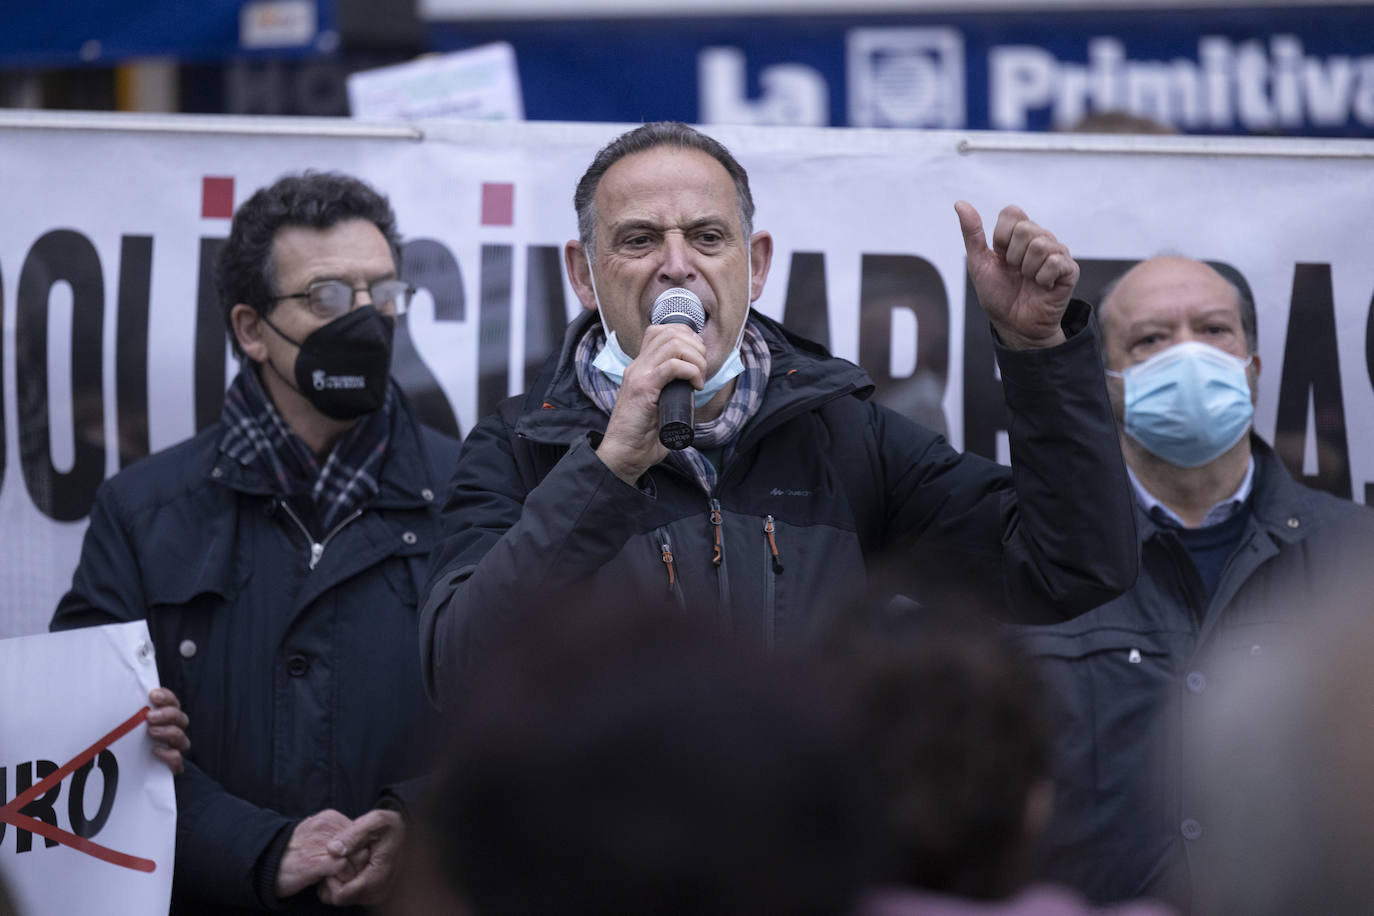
x=958 y=745
x=621 y=762
x=1286 y=750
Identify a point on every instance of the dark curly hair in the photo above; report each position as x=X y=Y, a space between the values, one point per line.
x=317 y=200
x=642 y=139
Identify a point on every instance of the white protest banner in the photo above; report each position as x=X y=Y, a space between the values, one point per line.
x=114 y=345
x=88 y=820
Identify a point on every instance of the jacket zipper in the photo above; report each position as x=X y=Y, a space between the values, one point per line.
x=718 y=561
x=665 y=552
x=774 y=560
x=317 y=547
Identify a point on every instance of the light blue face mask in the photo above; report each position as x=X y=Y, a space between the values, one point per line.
x=613 y=360
x=1188 y=404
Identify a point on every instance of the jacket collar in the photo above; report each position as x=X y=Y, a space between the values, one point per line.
x=1279 y=505
x=804 y=375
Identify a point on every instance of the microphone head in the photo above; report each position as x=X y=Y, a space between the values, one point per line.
x=679 y=306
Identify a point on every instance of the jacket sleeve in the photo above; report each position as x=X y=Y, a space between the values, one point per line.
x=220 y=837
x=508 y=547
x=1050 y=539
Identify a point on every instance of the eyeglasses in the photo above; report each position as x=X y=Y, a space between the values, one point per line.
x=333 y=298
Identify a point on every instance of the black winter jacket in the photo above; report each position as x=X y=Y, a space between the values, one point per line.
x=299 y=677
x=1128 y=679
x=834 y=482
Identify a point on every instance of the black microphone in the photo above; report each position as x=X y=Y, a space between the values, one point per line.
x=675 y=409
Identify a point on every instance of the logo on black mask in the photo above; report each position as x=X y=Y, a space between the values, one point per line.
x=342 y=367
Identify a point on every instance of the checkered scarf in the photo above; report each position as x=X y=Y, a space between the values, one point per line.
x=256 y=436
x=743 y=404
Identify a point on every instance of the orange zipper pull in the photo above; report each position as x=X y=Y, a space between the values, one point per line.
x=668 y=562
x=768 y=530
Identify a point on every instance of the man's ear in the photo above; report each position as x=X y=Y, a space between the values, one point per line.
x=1255 y=366
x=580 y=274
x=760 y=257
x=248 y=331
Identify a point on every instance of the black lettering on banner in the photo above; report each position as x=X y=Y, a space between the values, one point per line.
x=61 y=256
x=985 y=407
x=427 y=264
x=82 y=825
x=211 y=338
x=3 y=434
x=891 y=283
x=805 y=310
x=985 y=410
x=546 y=307
x=131 y=347
x=493 y=328
x=1311 y=365
x=1369 y=369
x=41 y=808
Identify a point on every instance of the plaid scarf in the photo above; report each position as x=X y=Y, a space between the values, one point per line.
x=256 y=436
x=743 y=403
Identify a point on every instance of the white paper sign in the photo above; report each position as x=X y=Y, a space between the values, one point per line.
x=88 y=820
x=479 y=83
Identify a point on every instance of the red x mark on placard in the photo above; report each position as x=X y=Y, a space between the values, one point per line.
x=10 y=814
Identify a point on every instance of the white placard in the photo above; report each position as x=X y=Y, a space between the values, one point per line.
x=78 y=771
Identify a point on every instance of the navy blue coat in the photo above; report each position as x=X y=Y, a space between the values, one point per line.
x=302 y=681
x=1129 y=680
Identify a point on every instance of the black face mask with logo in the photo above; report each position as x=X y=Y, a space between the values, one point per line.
x=342 y=367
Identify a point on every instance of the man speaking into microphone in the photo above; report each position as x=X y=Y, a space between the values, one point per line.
x=794 y=486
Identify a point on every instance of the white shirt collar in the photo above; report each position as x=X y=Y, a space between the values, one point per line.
x=1219 y=512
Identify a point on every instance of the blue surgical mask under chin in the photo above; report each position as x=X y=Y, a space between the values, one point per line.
x=1188 y=404
x=732 y=367
x=613 y=361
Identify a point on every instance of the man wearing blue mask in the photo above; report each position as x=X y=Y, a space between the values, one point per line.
x=1231 y=548
x=795 y=487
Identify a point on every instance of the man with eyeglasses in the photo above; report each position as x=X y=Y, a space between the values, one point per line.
x=277 y=557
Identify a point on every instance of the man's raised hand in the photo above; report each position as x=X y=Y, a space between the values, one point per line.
x=1023 y=281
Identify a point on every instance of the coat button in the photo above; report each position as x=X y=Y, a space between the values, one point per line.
x=1191 y=829
x=409 y=537
x=187 y=648
x=1134 y=657
x=1197 y=682
x=427 y=494
x=217 y=472
x=1293 y=522
x=297 y=665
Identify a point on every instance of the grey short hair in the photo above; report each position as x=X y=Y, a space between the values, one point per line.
x=642 y=139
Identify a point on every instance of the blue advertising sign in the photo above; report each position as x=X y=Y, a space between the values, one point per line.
x=38 y=35
x=1300 y=70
